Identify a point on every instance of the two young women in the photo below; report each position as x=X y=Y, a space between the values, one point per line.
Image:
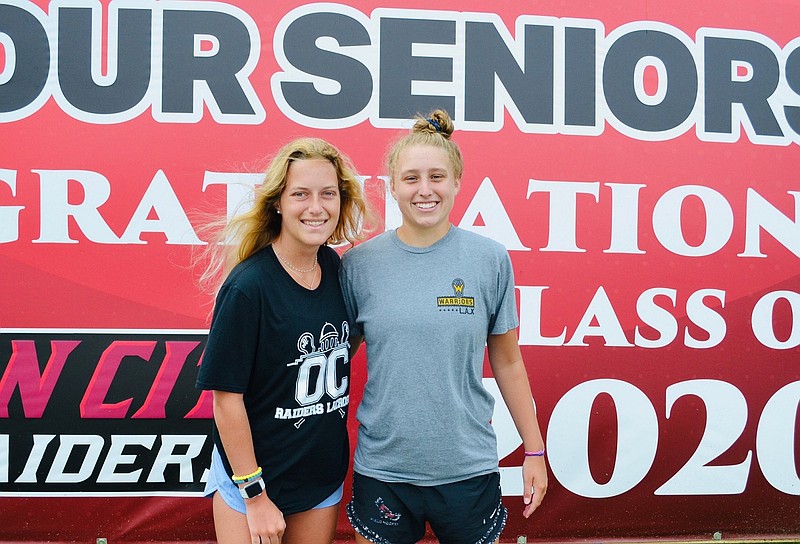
x=427 y=298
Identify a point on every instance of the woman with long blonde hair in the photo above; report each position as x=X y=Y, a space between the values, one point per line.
x=277 y=356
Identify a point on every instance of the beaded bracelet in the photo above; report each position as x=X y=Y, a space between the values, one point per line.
x=255 y=475
x=539 y=453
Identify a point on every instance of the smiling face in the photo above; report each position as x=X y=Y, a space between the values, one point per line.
x=309 y=205
x=424 y=186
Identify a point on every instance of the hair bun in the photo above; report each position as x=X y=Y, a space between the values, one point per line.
x=437 y=122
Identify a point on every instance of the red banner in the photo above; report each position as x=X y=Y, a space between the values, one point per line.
x=640 y=163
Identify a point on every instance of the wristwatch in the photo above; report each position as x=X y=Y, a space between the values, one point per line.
x=252 y=489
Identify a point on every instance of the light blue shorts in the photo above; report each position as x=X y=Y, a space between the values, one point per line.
x=218 y=480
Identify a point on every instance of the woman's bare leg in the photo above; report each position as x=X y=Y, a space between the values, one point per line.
x=230 y=526
x=317 y=526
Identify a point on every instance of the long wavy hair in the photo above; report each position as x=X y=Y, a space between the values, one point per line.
x=248 y=232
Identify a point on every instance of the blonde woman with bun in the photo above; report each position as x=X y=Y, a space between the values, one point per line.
x=428 y=298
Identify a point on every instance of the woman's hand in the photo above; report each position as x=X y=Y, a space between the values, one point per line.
x=534 y=481
x=265 y=520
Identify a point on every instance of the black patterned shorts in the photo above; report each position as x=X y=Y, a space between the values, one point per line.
x=464 y=512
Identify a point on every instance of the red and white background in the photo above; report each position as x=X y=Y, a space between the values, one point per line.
x=638 y=159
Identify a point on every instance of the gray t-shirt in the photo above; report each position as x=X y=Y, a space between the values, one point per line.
x=425 y=313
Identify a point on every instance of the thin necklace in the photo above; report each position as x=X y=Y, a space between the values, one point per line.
x=310 y=285
x=300 y=270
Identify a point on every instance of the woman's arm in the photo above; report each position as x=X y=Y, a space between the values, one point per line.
x=511 y=376
x=264 y=519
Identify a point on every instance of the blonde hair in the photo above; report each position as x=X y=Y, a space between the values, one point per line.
x=256 y=228
x=435 y=129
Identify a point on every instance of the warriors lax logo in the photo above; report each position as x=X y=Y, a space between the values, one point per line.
x=457 y=302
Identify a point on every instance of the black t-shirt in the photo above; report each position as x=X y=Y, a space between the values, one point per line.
x=286 y=348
